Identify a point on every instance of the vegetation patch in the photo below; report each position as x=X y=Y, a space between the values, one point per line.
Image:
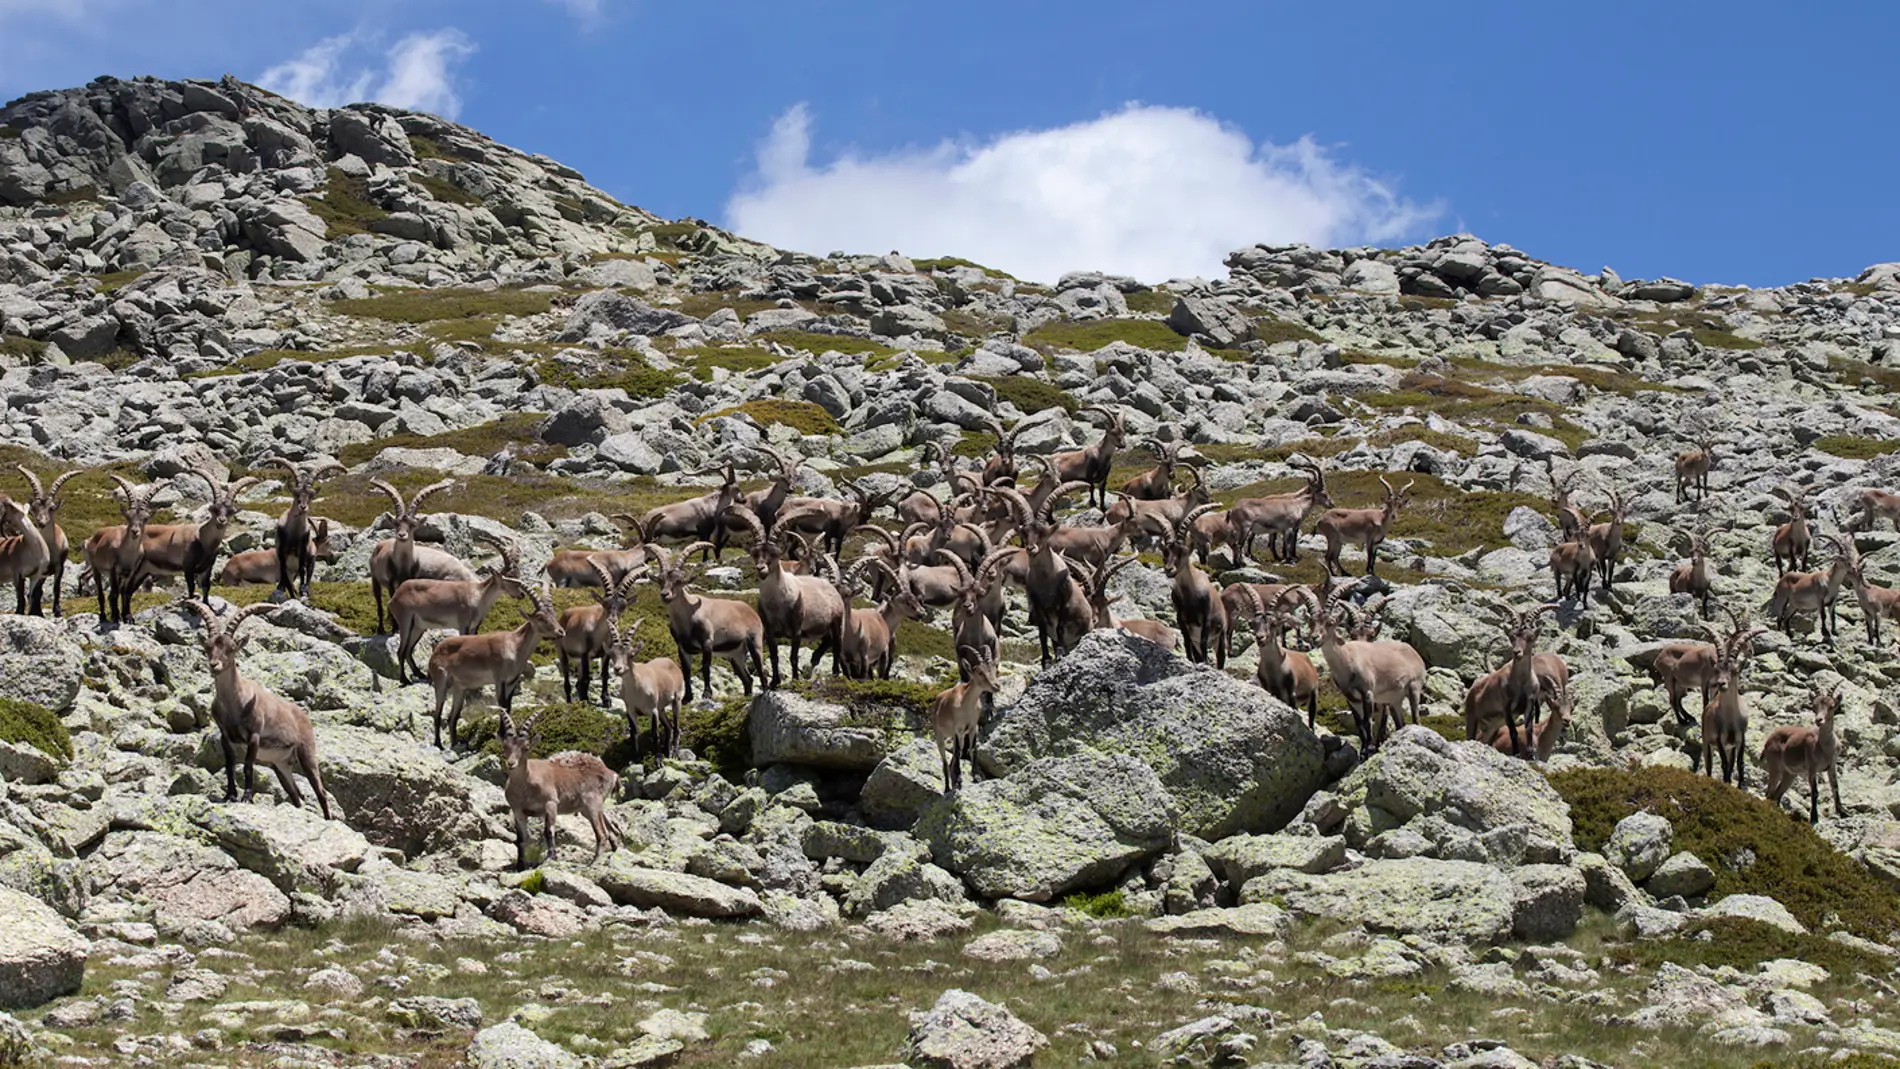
x=1854 y=447
x=1271 y=331
x=621 y=369
x=821 y=343
x=444 y=190
x=75 y=195
x=450 y=302
x=1415 y=303
x=36 y=726
x=1452 y=520
x=1151 y=301
x=21 y=348
x=1726 y=827
x=114 y=281
x=563 y=726
x=1708 y=329
x=1456 y=399
x=802 y=416
x=1109 y=905
x=701 y=305
x=345 y=205
x=719 y=735
x=1089 y=335
x=890 y=704
x=703 y=360
x=941 y=263
x=1030 y=395
x=519 y=429
x=428 y=148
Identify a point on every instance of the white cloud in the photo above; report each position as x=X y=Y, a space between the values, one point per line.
x=418 y=73
x=1148 y=191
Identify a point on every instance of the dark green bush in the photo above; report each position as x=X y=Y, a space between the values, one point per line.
x=719 y=735
x=1109 y=905
x=1822 y=887
x=35 y=725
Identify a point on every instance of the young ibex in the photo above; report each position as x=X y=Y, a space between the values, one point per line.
x=711 y=627
x=655 y=688
x=958 y=712
x=112 y=553
x=421 y=604
x=23 y=556
x=977 y=613
x=696 y=519
x=1275 y=597
x=1288 y=676
x=1573 y=564
x=1373 y=676
x=577 y=567
x=1877 y=505
x=1157 y=482
x=1366 y=526
x=461 y=665
x=1692 y=578
x=1509 y=694
x=294 y=538
x=1606 y=543
x=43 y=510
x=1792 y=540
x=1692 y=469
x=397 y=559
x=869 y=639
x=1725 y=719
x=589 y=632
x=1091 y=464
x=1278 y=516
x=1544 y=735
x=1876 y=602
x=1801 y=593
x=268 y=728
x=1806 y=750
x=190 y=549
x=1095 y=587
x=1198 y=611
x=1570 y=519
x=1681 y=667
x=255 y=566
x=567 y=782
x=794 y=608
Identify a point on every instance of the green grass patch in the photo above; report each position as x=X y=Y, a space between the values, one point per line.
x=1150 y=301
x=68 y=197
x=702 y=360
x=519 y=429
x=36 y=726
x=450 y=302
x=562 y=726
x=10 y=133
x=1457 y=399
x=1822 y=887
x=1414 y=303
x=1271 y=331
x=1743 y=944
x=444 y=190
x=1860 y=374
x=973 y=324
x=939 y=263
x=1854 y=447
x=428 y=148
x=1090 y=335
x=701 y=305
x=20 y=348
x=114 y=281
x=623 y=369
x=1029 y=394
x=718 y=734
x=821 y=343
x=1708 y=329
x=344 y=205
x=915 y=638
x=802 y=416
x=1109 y=905
x=889 y=704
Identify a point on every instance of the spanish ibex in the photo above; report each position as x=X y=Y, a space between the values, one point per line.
x=263 y=566
x=697 y=519
x=1877 y=603
x=1095 y=587
x=269 y=729
x=656 y=688
x=1157 y=482
x=588 y=632
x=1287 y=675
x=1002 y=466
x=1876 y=505
x=23 y=556
x=1546 y=733
x=1792 y=540
x=1091 y=464
x=793 y=608
x=1366 y=526
x=190 y=549
x=1725 y=718
x=1509 y=694
x=1570 y=519
x=869 y=640
x=461 y=665
x=421 y=604
x=566 y=782
x=1801 y=593
x=1692 y=469
x=1573 y=564
x=43 y=510
x=1198 y=612
x=957 y=712
x=296 y=559
x=1806 y=750
x=112 y=553
x=397 y=559
x=1278 y=516
x=582 y=567
x=711 y=627
x=1606 y=542
x=1692 y=578
x=1373 y=676
x=1681 y=667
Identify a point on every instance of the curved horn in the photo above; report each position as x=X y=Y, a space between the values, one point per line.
x=213 y=626
x=982 y=536
x=964 y=579
x=881 y=534
x=628 y=581
x=231 y=490
x=748 y=519
x=1195 y=513
x=606 y=575
x=31 y=480
x=415 y=503
x=986 y=570
x=61 y=481
x=395 y=495
x=1019 y=510
x=262 y=608
x=1253 y=600
x=694 y=548
x=277 y=460
x=1048 y=512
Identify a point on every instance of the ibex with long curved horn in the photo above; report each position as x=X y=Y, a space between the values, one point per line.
x=1003 y=465
x=269 y=729
x=697 y=519
x=582 y=567
x=1157 y=482
x=398 y=558
x=461 y=665
x=1801 y=593
x=1092 y=464
x=1366 y=526
x=421 y=604
x=1278 y=516
x=589 y=632
x=295 y=556
x=1101 y=601
x=793 y=608
x=1725 y=719
x=112 y=553
x=191 y=549
x=1570 y=519
x=43 y=511
x=1198 y=612
x=869 y=640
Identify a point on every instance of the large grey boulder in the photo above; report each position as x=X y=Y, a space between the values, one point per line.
x=374 y=138
x=1639 y=844
x=788 y=729
x=1231 y=757
x=585 y=419
x=1054 y=826
x=184 y=882
x=296 y=849
x=902 y=785
x=1422 y=794
x=1220 y=322
x=606 y=312
x=41 y=958
x=1547 y=901
x=1456 y=900
x=39 y=662
x=673 y=891
x=963 y=1031
x=1371 y=276
x=510 y=1046
x=401 y=794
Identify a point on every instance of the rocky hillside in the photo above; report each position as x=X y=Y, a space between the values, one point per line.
x=1152 y=862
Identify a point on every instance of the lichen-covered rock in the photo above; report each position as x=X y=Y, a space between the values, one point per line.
x=673 y=891
x=296 y=849
x=185 y=883
x=794 y=730
x=39 y=661
x=41 y=957
x=401 y=794
x=963 y=1031
x=1759 y=908
x=1639 y=844
x=902 y=785
x=1242 y=857
x=1053 y=826
x=901 y=876
x=1231 y=757
x=510 y=1046
x=1256 y=919
x=1683 y=874
x=1458 y=900
x=1549 y=901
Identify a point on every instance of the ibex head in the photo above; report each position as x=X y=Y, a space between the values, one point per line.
x=135 y=503
x=980 y=664
x=222 y=642
x=45 y=502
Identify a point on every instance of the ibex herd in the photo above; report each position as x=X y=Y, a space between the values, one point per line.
x=961 y=552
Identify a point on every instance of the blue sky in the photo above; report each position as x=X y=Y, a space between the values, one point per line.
x=1720 y=143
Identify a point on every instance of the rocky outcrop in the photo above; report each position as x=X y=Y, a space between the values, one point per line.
x=41 y=957
x=963 y=1031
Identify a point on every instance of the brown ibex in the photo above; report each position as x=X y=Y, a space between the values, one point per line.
x=1692 y=469
x=577 y=567
x=567 y=782
x=1573 y=564
x=43 y=511
x=1198 y=612
x=461 y=665
x=1372 y=676
x=710 y=627
x=1157 y=482
x=1806 y=750
x=1877 y=505
x=1510 y=693
x=1003 y=466
x=1725 y=719
x=1288 y=676
x=1570 y=519
x=793 y=608
x=295 y=560
x=23 y=556
x=421 y=604
x=1095 y=587
x=589 y=632
x=1876 y=602
x=869 y=640
x=1792 y=540
x=1278 y=516
x=190 y=549
x=1606 y=543
x=1692 y=578
x=696 y=519
x=1543 y=736
x=1091 y=464
x=1800 y=593
x=112 y=553
x=656 y=688
x=1681 y=667
x=397 y=559
x=268 y=728
x=1366 y=526
x=955 y=716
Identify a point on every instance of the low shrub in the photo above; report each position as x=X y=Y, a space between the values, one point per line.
x=1109 y=905
x=1853 y=447
x=1030 y=395
x=621 y=369
x=562 y=726
x=1727 y=828
x=719 y=735
x=35 y=725
x=1739 y=943
x=27 y=349
x=1271 y=331
x=444 y=190
x=802 y=416
x=450 y=302
x=820 y=343
x=1089 y=335
x=737 y=359
x=344 y=205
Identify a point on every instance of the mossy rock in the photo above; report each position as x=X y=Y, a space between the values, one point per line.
x=562 y=726
x=1740 y=943
x=1822 y=887
x=719 y=735
x=345 y=205
x=35 y=725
